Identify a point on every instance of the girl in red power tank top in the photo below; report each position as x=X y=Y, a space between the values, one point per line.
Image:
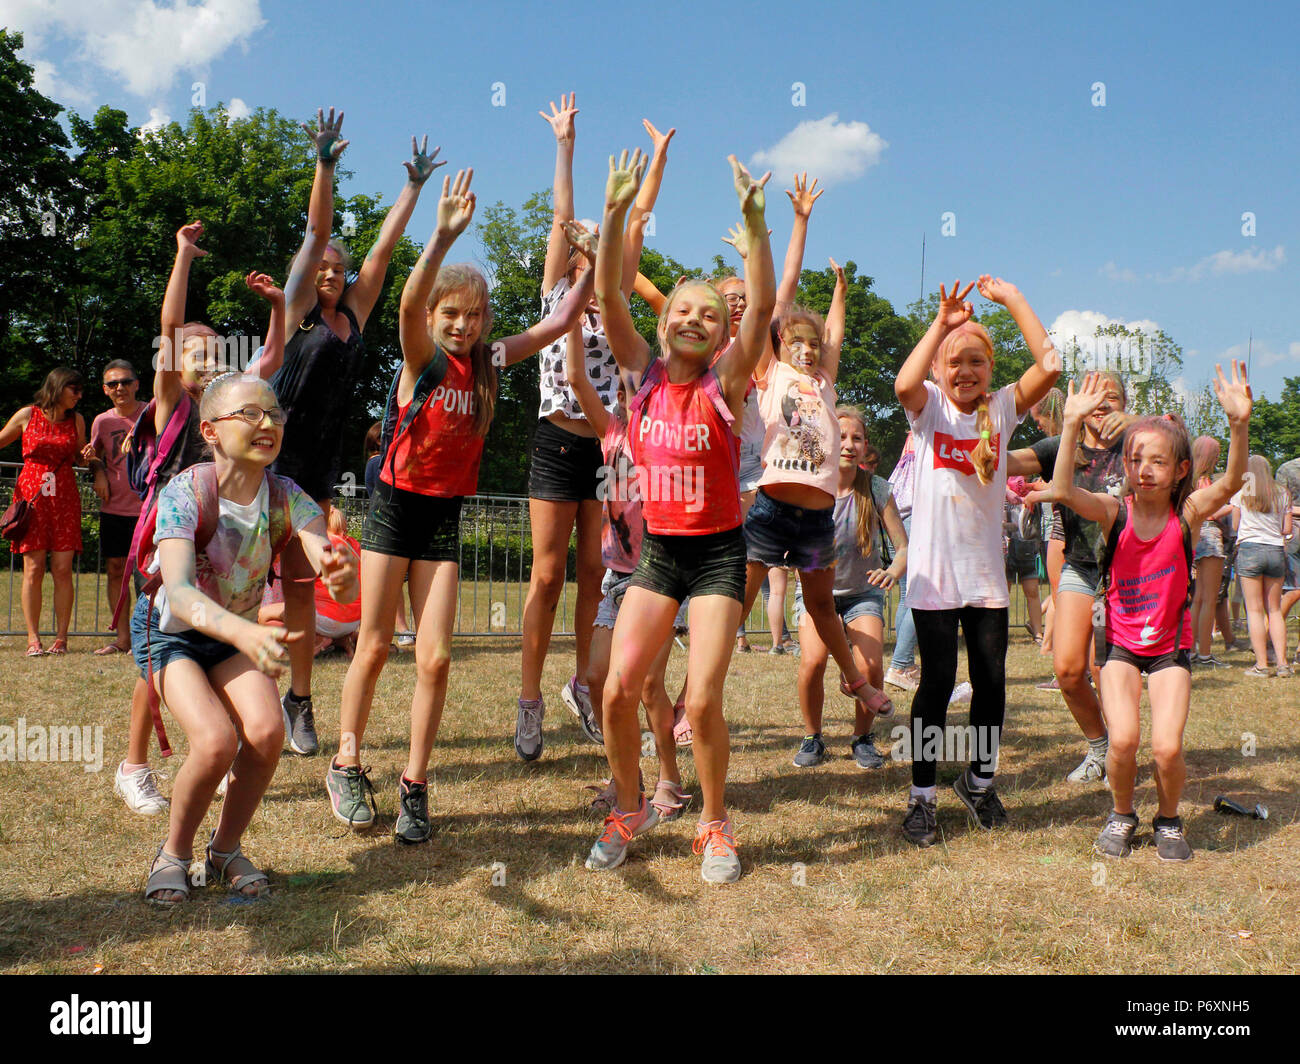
x=684 y=424
x=444 y=399
x=1145 y=575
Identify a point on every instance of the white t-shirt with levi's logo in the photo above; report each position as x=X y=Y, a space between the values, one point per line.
x=954 y=552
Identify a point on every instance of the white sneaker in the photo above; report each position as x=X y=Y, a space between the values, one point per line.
x=1092 y=769
x=139 y=789
x=716 y=842
x=961 y=693
x=907 y=679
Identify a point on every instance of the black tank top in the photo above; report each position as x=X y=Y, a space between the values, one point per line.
x=315 y=386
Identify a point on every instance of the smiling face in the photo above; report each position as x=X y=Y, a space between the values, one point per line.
x=1112 y=400
x=1151 y=466
x=694 y=325
x=331 y=276
x=235 y=436
x=456 y=323
x=801 y=347
x=733 y=292
x=70 y=396
x=121 y=385
x=853 y=444
x=964 y=370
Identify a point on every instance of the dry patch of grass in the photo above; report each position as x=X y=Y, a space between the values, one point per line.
x=830 y=885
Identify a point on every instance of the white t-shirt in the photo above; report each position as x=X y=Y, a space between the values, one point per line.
x=1261 y=528
x=954 y=552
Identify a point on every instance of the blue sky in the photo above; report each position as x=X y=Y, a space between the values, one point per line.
x=1130 y=212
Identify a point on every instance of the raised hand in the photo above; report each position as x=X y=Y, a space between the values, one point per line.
x=659 y=140
x=187 y=237
x=748 y=191
x=997 y=290
x=1112 y=426
x=422 y=164
x=456 y=207
x=581 y=239
x=804 y=195
x=561 y=118
x=1234 y=396
x=327 y=136
x=264 y=286
x=1091 y=394
x=839 y=271
x=338 y=570
x=954 y=311
x=624 y=179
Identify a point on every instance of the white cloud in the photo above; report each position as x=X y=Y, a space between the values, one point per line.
x=1082 y=325
x=1254 y=260
x=1114 y=273
x=1261 y=354
x=237 y=109
x=45 y=77
x=827 y=148
x=157 y=119
x=142 y=43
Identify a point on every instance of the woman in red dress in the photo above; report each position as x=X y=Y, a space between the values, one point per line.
x=54 y=437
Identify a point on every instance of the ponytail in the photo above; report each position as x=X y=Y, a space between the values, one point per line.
x=984 y=457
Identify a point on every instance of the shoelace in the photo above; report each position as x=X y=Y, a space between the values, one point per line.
x=928 y=815
x=361 y=789
x=616 y=824
x=411 y=804
x=715 y=837
x=1170 y=832
x=532 y=712
x=1119 y=828
x=306 y=715
x=148 y=784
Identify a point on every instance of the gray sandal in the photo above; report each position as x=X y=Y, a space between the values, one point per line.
x=236 y=870
x=173 y=875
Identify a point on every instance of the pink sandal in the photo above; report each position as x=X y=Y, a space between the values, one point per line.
x=35 y=650
x=670 y=800
x=878 y=703
x=682 y=734
x=59 y=646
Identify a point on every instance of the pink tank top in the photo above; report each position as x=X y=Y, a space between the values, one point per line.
x=687 y=454
x=1147 y=595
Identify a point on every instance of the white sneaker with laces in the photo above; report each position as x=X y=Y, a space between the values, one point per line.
x=139 y=789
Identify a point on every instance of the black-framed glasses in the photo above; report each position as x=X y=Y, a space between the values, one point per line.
x=120 y=383
x=253 y=415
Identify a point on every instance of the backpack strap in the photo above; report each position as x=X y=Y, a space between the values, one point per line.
x=1104 y=564
x=428 y=380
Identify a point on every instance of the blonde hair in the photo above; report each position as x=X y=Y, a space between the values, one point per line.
x=1081 y=459
x=462 y=278
x=336 y=522
x=215 y=391
x=868 y=519
x=1205 y=456
x=1261 y=494
x=1051 y=408
x=984 y=458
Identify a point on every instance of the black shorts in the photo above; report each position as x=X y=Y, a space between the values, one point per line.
x=115 y=533
x=678 y=566
x=1147 y=663
x=423 y=528
x=565 y=466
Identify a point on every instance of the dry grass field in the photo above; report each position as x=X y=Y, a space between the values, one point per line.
x=830 y=885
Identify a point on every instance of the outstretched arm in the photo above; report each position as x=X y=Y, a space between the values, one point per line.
x=645 y=288
x=1236 y=399
x=455 y=209
x=629 y=348
x=834 y=338
x=575 y=368
x=167 y=367
x=300 y=289
x=953 y=312
x=364 y=291
x=645 y=202
x=557 y=248
x=736 y=366
x=1038 y=379
x=802 y=199
x=565 y=317
x=272 y=355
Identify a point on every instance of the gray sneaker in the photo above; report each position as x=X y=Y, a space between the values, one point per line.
x=1170 y=844
x=1092 y=769
x=352 y=796
x=984 y=805
x=865 y=753
x=716 y=842
x=528 y=729
x=921 y=824
x=610 y=850
x=299 y=724
x=812 y=751
x=1116 y=838
x=413 y=825
x=579 y=703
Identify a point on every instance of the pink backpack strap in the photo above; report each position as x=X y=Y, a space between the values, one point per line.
x=712 y=388
x=654 y=373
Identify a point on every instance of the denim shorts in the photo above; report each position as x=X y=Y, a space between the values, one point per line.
x=751 y=469
x=1082 y=579
x=782 y=536
x=678 y=566
x=1291 y=582
x=870 y=602
x=612 y=590
x=404 y=524
x=565 y=466
x=1260 y=559
x=166 y=647
x=1209 y=544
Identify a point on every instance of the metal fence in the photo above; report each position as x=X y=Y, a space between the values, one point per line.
x=495 y=568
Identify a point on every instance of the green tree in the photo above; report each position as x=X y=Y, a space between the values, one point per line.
x=1275 y=426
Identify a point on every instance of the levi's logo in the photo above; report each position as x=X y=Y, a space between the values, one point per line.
x=951 y=453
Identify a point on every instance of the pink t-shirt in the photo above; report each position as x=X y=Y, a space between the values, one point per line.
x=801 y=444
x=688 y=455
x=1148 y=590
x=107 y=432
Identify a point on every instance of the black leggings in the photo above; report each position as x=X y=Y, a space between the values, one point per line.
x=986 y=653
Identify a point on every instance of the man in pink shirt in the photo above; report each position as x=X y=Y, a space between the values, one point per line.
x=119 y=505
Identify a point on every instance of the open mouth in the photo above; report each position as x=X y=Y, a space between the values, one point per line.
x=264 y=441
x=693 y=335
